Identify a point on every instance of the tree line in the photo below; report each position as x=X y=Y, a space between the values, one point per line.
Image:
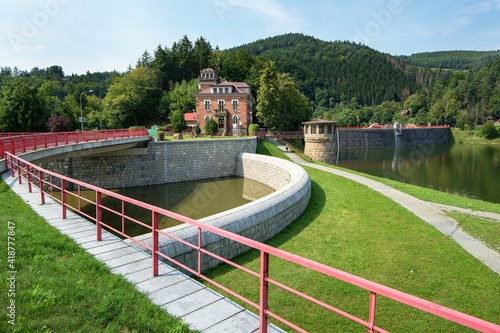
x=293 y=78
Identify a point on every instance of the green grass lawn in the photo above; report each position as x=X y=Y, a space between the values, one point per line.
x=355 y=229
x=61 y=288
x=485 y=230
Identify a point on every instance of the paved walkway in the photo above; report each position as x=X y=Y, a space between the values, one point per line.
x=199 y=306
x=430 y=213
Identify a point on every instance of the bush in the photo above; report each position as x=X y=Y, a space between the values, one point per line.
x=253 y=129
x=178 y=122
x=136 y=128
x=488 y=130
x=211 y=127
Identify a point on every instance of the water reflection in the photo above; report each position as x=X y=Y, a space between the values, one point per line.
x=196 y=199
x=467 y=170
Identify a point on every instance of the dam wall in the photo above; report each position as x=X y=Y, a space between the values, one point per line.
x=390 y=137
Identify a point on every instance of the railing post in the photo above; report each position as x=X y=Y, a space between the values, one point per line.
x=66 y=137
x=41 y=182
x=24 y=143
x=373 y=304
x=28 y=176
x=45 y=145
x=63 y=198
x=12 y=147
x=154 y=250
x=11 y=163
x=56 y=142
x=199 y=251
x=264 y=291
x=34 y=142
x=77 y=134
x=98 y=215
x=19 y=177
x=2 y=150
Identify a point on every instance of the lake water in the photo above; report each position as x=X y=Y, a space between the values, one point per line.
x=195 y=199
x=468 y=170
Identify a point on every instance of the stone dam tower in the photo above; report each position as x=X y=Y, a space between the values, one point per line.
x=320 y=137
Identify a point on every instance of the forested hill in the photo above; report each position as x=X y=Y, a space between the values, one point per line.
x=331 y=72
x=458 y=60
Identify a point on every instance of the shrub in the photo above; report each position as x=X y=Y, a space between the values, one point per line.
x=58 y=124
x=211 y=127
x=488 y=130
x=253 y=129
x=178 y=122
x=136 y=128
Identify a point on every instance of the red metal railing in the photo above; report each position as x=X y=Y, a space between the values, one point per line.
x=49 y=182
x=16 y=143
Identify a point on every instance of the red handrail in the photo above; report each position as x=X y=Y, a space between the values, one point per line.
x=43 y=179
x=21 y=142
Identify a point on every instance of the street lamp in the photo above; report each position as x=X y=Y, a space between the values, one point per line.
x=81 y=109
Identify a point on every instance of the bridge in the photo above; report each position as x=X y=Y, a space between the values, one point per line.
x=127 y=256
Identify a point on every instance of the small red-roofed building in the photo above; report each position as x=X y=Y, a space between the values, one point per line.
x=230 y=104
x=190 y=118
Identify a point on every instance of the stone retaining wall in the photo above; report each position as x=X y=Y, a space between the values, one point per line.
x=258 y=220
x=381 y=137
x=159 y=163
x=175 y=161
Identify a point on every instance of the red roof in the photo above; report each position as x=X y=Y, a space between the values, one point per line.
x=237 y=87
x=190 y=116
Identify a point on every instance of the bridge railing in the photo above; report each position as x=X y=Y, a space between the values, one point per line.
x=16 y=143
x=56 y=186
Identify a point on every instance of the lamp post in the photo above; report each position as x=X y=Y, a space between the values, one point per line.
x=81 y=108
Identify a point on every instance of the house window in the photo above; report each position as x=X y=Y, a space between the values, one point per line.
x=207 y=105
x=226 y=90
x=207 y=117
x=221 y=105
x=235 y=105
x=235 y=119
x=221 y=122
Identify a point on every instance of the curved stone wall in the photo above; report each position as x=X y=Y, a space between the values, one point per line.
x=258 y=220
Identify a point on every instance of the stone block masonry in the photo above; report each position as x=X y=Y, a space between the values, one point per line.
x=259 y=220
x=177 y=161
x=160 y=163
x=366 y=138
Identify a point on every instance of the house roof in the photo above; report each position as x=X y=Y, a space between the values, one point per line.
x=189 y=116
x=237 y=87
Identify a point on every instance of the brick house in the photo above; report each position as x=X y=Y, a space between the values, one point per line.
x=230 y=104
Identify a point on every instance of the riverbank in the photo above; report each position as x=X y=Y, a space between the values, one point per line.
x=471 y=137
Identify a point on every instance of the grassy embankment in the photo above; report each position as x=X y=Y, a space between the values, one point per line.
x=460 y=136
x=61 y=288
x=352 y=228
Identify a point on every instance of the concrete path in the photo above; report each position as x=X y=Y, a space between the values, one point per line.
x=200 y=307
x=431 y=214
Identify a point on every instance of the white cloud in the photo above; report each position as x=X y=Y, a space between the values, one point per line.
x=457 y=25
x=40 y=47
x=280 y=18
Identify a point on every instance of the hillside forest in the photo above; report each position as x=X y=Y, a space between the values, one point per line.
x=293 y=77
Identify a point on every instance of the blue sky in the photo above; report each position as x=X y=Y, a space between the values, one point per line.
x=91 y=35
